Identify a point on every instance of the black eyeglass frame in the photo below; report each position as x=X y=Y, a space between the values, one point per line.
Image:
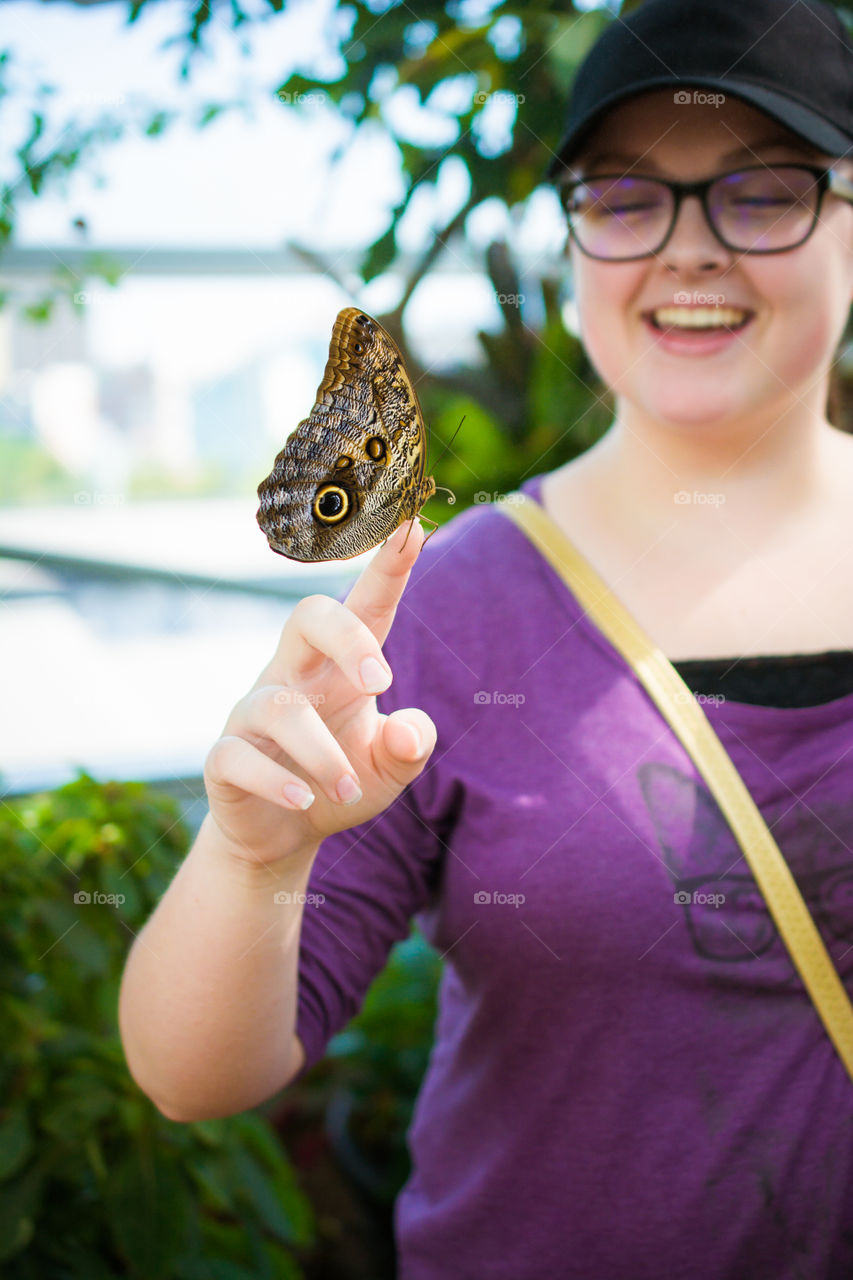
x=827 y=180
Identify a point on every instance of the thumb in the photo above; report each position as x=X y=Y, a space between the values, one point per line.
x=408 y=738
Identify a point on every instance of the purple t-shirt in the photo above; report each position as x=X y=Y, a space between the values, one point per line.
x=628 y=1080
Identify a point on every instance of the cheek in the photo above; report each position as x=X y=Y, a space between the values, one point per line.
x=804 y=307
x=606 y=296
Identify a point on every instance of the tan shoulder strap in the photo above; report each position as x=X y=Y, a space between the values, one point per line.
x=695 y=731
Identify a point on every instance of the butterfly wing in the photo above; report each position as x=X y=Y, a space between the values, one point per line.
x=353 y=470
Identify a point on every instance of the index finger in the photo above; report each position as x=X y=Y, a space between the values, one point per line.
x=376 y=592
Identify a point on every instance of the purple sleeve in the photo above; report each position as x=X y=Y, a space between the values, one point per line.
x=367 y=883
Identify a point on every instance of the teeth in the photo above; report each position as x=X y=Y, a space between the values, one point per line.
x=698 y=317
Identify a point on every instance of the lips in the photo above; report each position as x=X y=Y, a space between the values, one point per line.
x=697 y=341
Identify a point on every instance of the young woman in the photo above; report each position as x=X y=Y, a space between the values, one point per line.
x=628 y=1078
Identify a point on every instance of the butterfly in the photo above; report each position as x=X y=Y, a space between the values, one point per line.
x=353 y=470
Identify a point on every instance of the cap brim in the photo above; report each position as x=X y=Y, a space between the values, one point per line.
x=802 y=120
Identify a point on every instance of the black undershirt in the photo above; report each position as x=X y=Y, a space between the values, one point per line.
x=786 y=680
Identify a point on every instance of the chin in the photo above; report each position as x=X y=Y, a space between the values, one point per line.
x=696 y=411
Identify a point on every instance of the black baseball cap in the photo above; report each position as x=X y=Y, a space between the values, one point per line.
x=792 y=59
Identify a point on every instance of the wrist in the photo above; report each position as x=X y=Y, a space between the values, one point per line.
x=239 y=858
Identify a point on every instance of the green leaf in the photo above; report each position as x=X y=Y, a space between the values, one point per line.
x=380 y=255
x=115 y=882
x=281 y=1265
x=213 y=1133
x=16 y=1140
x=260 y=1195
x=149 y=1207
x=213 y=1177
x=19 y=1202
x=76 y=1107
x=210 y=112
x=220 y=1269
x=159 y=122
x=74 y=935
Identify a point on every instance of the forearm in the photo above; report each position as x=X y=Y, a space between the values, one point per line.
x=207 y=1007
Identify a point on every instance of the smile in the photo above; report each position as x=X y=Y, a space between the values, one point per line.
x=696 y=331
x=665 y=319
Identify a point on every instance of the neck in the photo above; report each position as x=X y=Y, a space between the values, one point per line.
x=760 y=473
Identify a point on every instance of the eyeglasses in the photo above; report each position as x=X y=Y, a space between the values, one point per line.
x=619 y=217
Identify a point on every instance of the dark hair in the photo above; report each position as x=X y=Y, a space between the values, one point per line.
x=836 y=401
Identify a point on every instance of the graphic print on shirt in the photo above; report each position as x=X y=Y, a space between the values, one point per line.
x=726 y=915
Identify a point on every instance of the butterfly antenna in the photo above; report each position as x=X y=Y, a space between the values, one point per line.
x=446 y=447
x=439 y=489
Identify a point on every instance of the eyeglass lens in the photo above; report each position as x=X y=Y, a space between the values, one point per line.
x=622 y=217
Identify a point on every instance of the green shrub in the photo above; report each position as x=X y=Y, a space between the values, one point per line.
x=374 y=1067
x=94 y=1182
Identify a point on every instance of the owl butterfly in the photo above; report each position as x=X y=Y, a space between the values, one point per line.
x=353 y=470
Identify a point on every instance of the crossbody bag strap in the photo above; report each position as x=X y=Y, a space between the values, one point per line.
x=688 y=720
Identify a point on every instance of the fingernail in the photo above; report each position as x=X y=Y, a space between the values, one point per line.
x=374 y=677
x=300 y=796
x=348 y=790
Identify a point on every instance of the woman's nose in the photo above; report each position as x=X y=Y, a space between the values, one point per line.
x=692 y=242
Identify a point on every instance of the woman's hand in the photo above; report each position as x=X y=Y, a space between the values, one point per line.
x=310 y=724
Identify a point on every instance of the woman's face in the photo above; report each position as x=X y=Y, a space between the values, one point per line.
x=800 y=298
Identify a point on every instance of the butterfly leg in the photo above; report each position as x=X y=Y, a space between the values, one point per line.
x=420 y=516
x=431 y=532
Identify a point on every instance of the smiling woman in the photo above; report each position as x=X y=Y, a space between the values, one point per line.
x=712 y=297
x=682 y=212
x=629 y=1078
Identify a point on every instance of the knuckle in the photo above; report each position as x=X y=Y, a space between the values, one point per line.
x=375 y=610
x=315 y=605
x=218 y=758
x=282 y=700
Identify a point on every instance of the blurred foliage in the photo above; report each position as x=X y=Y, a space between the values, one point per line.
x=155 y=480
x=533 y=400
x=95 y=1182
x=374 y=1069
x=30 y=473
x=496 y=74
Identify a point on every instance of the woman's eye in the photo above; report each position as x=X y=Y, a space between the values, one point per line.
x=639 y=206
x=623 y=210
x=763 y=202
